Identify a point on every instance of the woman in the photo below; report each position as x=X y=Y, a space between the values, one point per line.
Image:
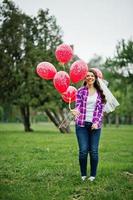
x=88 y=113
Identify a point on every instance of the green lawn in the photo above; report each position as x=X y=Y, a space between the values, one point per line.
x=43 y=165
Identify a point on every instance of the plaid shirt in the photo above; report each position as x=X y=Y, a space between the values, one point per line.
x=81 y=100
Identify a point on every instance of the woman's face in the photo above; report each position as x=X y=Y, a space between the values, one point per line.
x=90 y=78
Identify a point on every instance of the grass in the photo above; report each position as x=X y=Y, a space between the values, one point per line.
x=43 y=165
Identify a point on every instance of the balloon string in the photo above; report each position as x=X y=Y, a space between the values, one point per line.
x=67 y=121
x=63 y=65
x=62 y=123
x=70 y=104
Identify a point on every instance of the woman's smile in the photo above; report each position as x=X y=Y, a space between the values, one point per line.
x=90 y=78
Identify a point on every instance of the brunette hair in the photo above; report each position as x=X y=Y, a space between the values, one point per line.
x=97 y=86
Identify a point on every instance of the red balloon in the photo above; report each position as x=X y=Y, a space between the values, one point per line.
x=46 y=70
x=61 y=81
x=70 y=94
x=64 y=53
x=78 y=71
x=98 y=72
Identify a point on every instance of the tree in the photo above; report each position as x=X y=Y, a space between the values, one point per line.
x=119 y=71
x=96 y=61
x=24 y=42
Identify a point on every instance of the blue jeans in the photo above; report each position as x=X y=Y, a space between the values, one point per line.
x=88 y=141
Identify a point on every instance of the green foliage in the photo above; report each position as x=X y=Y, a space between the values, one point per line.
x=26 y=41
x=44 y=165
x=1 y=113
x=119 y=72
x=10 y=51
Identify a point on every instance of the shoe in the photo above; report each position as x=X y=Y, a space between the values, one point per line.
x=83 y=178
x=91 y=178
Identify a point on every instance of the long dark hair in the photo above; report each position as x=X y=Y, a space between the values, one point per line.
x=97 y=86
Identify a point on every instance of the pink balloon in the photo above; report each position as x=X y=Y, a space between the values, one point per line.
x=46 y=70
x=61 y=81
x=98 y=72
x=64 y=53
x=78 y=71
x=70 y=94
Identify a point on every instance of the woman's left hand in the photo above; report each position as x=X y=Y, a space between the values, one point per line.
x=94 y=126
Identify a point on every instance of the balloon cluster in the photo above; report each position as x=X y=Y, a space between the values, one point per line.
x=62 y=79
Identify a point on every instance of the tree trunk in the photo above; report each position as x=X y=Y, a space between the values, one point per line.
x=105 y=118
x=54 y=117
x=25 y=112
x=129 y=119
x=109 y=120
x=60 y=116
x=117 y=120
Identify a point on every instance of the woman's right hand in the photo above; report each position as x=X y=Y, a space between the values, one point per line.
x=75 y=112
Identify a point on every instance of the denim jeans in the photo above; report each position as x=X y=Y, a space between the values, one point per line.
x=88 y=141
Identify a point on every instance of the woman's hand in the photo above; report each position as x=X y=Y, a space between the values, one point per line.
x=75 y=112
x=94 y=126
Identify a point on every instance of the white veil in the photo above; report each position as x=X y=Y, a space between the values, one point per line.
x=112 y=102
